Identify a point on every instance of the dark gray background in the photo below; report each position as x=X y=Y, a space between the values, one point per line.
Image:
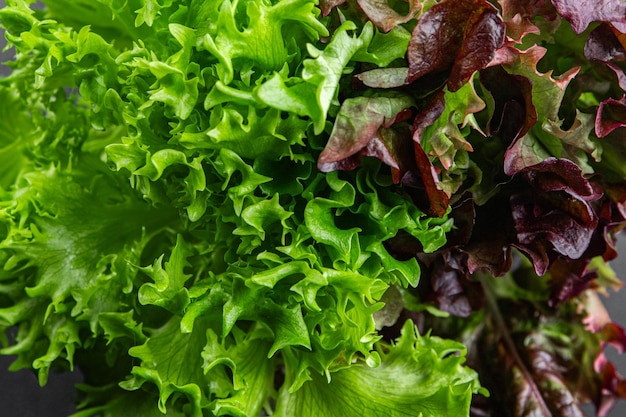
x=21 y=396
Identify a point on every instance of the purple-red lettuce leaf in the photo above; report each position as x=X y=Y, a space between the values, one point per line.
x=446 y=282
x=580 y=13
x=425 y=181
x=598 y=322
x=546 y=137
x=440 y=133
x=548 y=91
x=524 y=152
x=548 y=213
x=556 y=217
x=514 y=112
x=610 y=116
x=429 y=114
x=546 y=360
x=356 y=131
x=517 y=27
x=489 y=247
x=463 y=212
x=562 y=225
x=606 y=44
x=456 y=38
x=328 y=5
x=561 y=175
x=569 y=278
x=527 y=9
x=425 y=177
x=384 y=16
x=613 y=385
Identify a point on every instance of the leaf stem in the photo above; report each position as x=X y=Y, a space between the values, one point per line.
x=502 y=329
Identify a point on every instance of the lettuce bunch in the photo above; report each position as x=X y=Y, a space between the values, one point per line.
x=293 y=208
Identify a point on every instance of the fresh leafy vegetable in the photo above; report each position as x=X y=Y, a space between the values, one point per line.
x=293 y=208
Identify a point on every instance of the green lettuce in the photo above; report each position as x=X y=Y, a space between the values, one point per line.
x=164 y=228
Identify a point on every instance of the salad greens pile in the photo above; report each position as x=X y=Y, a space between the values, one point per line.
x=293 y=208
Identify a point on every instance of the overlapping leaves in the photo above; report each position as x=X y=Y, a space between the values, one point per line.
x=165 y=227
x=503 y=150
x=239 y=207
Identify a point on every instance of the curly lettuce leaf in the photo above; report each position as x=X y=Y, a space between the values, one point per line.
x=434 y=383
x=313 y=93
x=252 y=383
x=172 y=361
x=122 y=403
x=60 y=252
x=231 y=43
x=12 y=138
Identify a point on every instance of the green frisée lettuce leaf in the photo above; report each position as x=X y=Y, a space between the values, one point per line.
x=314 y=93
x=60 y=243
x=413 y=378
